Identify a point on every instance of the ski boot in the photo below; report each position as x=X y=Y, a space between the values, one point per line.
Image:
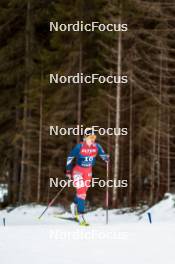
x=82 y=220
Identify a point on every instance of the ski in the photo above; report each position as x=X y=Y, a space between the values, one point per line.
x=81 y=223
x=66 y=218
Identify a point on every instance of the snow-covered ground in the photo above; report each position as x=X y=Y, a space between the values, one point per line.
x=128 y=238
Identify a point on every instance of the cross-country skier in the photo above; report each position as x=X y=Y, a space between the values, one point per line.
x=85 y=153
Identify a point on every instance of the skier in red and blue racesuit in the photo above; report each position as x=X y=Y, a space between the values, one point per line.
x=81 y=174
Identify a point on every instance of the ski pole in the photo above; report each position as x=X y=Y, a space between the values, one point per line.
x=52 y=201
x=107 y=190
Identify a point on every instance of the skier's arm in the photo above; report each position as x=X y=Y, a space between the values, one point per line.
x=74 y=152
x=102 y=154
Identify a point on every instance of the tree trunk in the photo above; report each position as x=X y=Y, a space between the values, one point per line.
x=130 y=142
x=40 y=143
x=168 y=151
x=117 y=118
x=79 y=90
x=25 y=110
x=159 y=131
x=151 y=198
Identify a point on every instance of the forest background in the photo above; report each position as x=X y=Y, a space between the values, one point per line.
x=29 y=52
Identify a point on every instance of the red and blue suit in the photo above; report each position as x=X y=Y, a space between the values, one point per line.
x=82 y=172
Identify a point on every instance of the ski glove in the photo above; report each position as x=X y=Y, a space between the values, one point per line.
x=68 y=174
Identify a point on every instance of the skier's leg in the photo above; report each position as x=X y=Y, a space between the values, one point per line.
x=87 y=177
x=81 y=195
x=78 y=180
x=77 y=207
x=73 y=209
x=80 y=204
x=82 y=179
